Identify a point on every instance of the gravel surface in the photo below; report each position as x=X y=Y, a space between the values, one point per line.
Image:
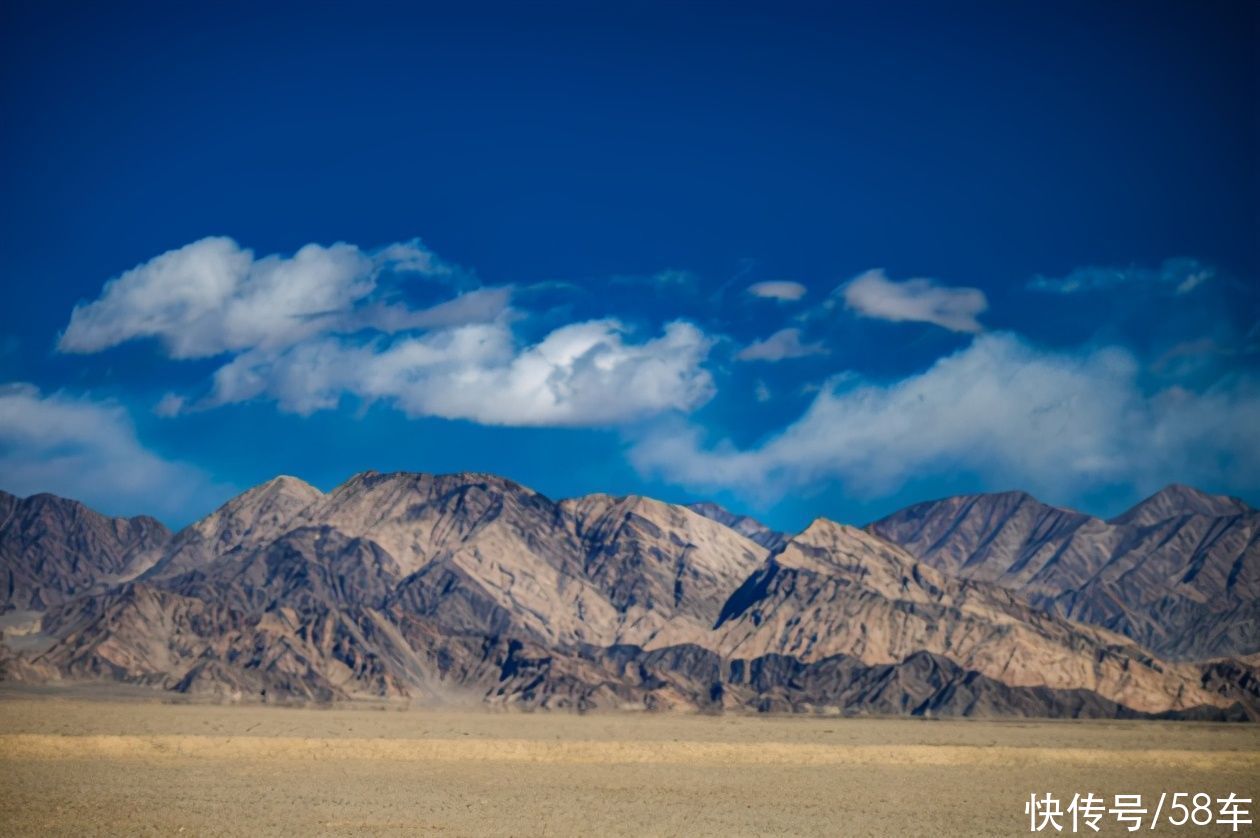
x=127 y=767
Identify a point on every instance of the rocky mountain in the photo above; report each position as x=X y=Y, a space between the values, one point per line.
x=1179 y=573
x=252 y=518
x=746 y=526
x=469 y=587
x=592 y=570
x=836 y=590
x=51 y=548
x=1176 y=501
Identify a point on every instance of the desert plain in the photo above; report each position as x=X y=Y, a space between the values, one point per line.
x=76 y=765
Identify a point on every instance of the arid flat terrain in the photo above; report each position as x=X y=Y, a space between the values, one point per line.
x=76 y=766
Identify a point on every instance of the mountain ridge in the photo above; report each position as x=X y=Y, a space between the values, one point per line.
x=1179 y=572
x=51 y=548
x=414 y=586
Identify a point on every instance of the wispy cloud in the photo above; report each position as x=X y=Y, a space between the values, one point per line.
x=783 y=344
x=1181 y=276
x=87 y=449
x=1054 y=422
x=667 y=281
x=480 y=305
x=171 y=404
x=915 y=300
x=778 y=290
x=307 y=330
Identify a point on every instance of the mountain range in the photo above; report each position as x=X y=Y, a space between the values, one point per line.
x=472 y=588
x=1179 y=573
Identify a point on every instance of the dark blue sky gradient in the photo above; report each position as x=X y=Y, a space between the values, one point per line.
x=980 y=144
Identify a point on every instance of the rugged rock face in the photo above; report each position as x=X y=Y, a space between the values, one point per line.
x=252 y=518
x=651 y=557
x=480 y=553
x=1179 y=573
x=750 y=528
x=1175 y=501
x=837 y=590
x=469 y=587
x=51 y=548
x=691 y=677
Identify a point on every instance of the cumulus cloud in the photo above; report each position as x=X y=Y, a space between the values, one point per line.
x=1052 y=422
x=213 y=296
x=1180 y=275
x=918 y=300
x=783 y=344
x=84 y=449
x=308 y=330
x=780 y=290
x=581 y=374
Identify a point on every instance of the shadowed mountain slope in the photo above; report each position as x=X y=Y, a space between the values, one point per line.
x=746 y=526
x=1178 y=573
x=52 y=548
x=836 y=590
x=251 y=518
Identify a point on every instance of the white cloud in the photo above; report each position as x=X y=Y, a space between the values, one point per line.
x=919 y=300
x=581 y=374
x=1056 y=423
x=1182 y=275
x=413 y=257
x=761 y=392
x=171 y=404
x=779 y=290
x=1192 y=281
x=480 y=305
x=212 y=297
x=783 y=344
x=307 y=330
x=88 y=450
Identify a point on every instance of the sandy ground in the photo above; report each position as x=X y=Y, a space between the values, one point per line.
x=72 y=766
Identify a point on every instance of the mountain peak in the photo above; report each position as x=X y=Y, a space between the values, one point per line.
x=282 y=485
x=829 y=547
x=373 y=479
x=984 y=505
x=745 y=525
x=52 y=548
x=288 y=481
x=48 y=503
x=1176 y=500
x=253 y=516
x=824 y=531
x=283 y=495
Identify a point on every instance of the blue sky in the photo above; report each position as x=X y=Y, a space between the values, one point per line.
x=806 y=259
